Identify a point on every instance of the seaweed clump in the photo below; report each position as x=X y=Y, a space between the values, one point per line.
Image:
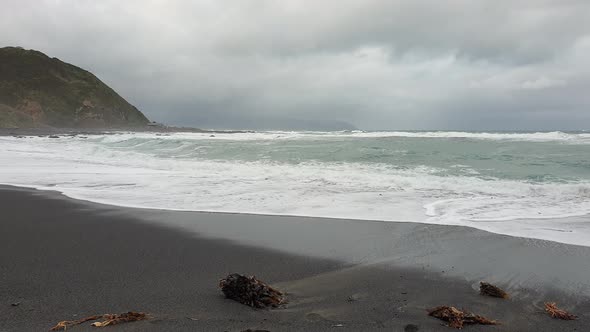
x=109 y=319
x=251 y=291
x=457 y=318
x=552 y=309
x=491 y=290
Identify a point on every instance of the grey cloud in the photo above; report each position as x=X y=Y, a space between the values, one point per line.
x=378 y=64
x=522 y=31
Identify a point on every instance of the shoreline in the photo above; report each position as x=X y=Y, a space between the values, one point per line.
x=571 y=218
x=332 y=238
x=66 y=257
x=47 y=131
x=509 y=204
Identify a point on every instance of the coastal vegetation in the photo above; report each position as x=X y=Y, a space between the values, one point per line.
x=39 y=91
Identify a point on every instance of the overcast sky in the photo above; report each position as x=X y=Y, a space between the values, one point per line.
x=378 y=64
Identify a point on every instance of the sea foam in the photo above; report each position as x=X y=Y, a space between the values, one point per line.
x=189 y=172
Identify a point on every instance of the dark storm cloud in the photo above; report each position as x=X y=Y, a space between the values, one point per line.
x=457 y=64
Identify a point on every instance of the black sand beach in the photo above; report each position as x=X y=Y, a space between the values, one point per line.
x=63 y=259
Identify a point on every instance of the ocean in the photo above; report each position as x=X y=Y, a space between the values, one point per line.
x=534 y=185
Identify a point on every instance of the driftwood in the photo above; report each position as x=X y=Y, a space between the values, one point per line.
x=552 y=309
x=251 y=291
x=491 y=290
x=109 y=319
x=457 y=318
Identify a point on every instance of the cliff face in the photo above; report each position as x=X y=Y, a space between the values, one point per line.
x=39 y=91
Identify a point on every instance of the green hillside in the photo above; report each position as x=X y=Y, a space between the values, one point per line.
x=39 y=91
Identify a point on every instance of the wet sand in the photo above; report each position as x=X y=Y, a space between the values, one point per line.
x=63 y=259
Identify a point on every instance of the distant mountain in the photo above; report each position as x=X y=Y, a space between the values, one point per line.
x=39 y=91
x=299 y=124
x=265 y=122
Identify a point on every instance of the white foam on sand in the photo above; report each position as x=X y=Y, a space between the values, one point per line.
x=84 y=169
